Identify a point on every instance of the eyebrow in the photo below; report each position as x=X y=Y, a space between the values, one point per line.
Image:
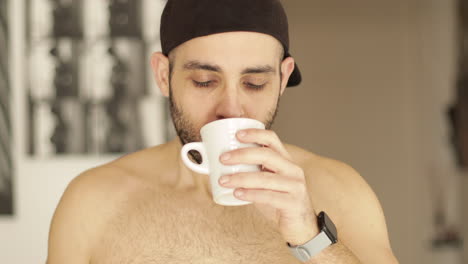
x=197 y=65
x=259 y=69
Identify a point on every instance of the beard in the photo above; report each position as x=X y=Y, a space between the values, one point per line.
x=187 y=132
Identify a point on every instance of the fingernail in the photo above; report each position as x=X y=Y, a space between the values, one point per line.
x=242 y=133
x=224 y=179
x=225 y=156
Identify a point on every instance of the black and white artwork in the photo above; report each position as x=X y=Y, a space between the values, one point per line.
x=90 y=88
x=6 y=167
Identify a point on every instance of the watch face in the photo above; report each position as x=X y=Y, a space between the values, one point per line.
x=328 y=226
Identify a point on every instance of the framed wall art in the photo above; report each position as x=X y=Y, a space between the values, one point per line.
x=6 y=163
x=90 y=90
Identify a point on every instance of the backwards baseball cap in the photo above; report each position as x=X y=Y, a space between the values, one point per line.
x=183 y=20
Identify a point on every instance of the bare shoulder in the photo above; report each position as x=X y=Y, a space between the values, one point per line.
x=88 y=202
x=327 y=179
x=313 y=161
x=338 y=189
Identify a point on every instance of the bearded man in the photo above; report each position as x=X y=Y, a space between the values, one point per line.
x=221 y=59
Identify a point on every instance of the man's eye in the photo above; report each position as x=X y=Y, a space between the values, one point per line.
x=255 y=86
x=202 y=84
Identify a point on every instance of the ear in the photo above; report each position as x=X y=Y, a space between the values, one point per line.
x=287 y=67
x=160 y=65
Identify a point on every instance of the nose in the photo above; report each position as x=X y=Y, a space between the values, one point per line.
x=230 y=105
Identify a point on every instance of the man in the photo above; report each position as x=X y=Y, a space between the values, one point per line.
x=221 y=59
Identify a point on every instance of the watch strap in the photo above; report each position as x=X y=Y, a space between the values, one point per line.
x=312 y=247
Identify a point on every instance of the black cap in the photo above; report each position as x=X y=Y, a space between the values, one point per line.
x=183 y=20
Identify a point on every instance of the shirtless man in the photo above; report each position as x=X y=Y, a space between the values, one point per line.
x=220 y=59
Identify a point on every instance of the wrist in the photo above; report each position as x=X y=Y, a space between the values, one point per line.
x=323 y=238
x=312 y=231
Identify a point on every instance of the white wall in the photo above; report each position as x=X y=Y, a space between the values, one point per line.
x=377 y=74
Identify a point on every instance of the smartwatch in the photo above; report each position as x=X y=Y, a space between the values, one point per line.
x=327 y=237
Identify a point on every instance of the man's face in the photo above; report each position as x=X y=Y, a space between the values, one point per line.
x=223 y=76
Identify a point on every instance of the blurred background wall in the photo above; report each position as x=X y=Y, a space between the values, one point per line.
x=378 y=78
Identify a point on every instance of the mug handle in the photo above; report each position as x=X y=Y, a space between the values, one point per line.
x=202 y=168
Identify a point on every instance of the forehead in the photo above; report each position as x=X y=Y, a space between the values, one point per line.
x=233 y=49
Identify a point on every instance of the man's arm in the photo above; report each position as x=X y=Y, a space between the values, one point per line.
x=336 y=253
x=87 y=204
x=331 y=186
x=68 y=241
x=339 y=253
x=361 y=227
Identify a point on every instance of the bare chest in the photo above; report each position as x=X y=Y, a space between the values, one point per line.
x=183 y=229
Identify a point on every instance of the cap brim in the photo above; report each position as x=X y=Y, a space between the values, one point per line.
x=295 y=78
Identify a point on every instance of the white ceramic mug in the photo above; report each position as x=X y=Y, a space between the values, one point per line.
x=219 y=137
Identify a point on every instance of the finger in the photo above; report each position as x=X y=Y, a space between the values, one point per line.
x=262 y=156
x=263 y=180
x=267 y=138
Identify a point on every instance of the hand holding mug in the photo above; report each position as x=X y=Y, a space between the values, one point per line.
x=219 y=137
